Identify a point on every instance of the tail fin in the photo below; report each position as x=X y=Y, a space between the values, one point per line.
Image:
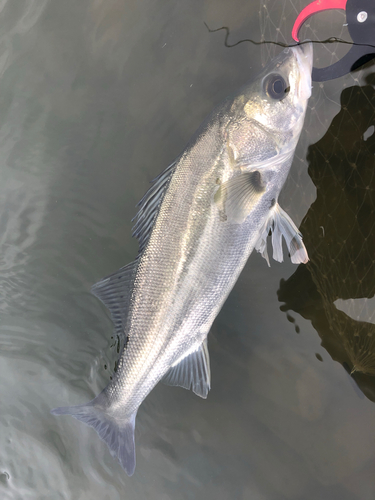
x=117 y=433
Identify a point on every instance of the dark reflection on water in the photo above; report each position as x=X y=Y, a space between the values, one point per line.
x=336 y=289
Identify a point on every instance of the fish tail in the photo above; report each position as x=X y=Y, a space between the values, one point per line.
x=117 y=433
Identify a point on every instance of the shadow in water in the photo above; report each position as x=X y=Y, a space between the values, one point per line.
x=335 y=290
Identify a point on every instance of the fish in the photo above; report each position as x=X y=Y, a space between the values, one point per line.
x=197 y=225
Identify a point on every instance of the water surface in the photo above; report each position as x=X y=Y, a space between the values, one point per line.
x=96 y=98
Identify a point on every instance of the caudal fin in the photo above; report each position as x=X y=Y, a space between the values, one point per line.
x=117 y=433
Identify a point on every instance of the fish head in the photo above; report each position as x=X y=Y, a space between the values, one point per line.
x=265 y=121
x=277 y=99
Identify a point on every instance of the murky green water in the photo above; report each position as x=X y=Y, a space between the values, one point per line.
x=96 y=98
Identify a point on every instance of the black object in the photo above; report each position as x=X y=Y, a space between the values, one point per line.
x=360 y=16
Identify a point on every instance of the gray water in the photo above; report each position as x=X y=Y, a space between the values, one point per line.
x=96 y=98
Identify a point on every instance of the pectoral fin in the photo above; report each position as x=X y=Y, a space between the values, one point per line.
x=192 y=372
x=237 y=196
x=281 y=225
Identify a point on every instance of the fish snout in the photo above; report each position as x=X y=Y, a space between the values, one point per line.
x=304 y=56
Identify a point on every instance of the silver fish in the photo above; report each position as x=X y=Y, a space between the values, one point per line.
x=197 y=226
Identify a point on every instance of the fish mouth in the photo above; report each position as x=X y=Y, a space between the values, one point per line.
x=304 y=56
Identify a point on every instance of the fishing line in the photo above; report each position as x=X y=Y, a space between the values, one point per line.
x=332 y=39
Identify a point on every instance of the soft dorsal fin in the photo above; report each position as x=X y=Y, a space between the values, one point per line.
x=192 y=371
x=149 y=206
x=115 y=293
x=237 y=196
x=281 y=225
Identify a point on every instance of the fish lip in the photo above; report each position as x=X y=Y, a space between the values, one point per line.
x=304 y=56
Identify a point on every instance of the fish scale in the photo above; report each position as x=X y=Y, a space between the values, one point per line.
x=197 y=226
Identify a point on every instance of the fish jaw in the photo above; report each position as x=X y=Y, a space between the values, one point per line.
x=304 y=56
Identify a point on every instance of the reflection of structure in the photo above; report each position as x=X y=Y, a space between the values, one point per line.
x=339 y=233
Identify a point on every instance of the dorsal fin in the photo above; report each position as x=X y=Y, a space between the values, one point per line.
x=149 y=206
x=115 y=292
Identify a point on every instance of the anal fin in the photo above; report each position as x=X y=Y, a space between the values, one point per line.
x=192 y=372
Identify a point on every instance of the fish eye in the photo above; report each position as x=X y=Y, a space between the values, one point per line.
x=276 y=87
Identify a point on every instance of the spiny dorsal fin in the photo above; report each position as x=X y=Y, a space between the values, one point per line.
x=237 y=196
x=149 y=206
x=192 y=372
x=115 y=293
x=282 y=225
